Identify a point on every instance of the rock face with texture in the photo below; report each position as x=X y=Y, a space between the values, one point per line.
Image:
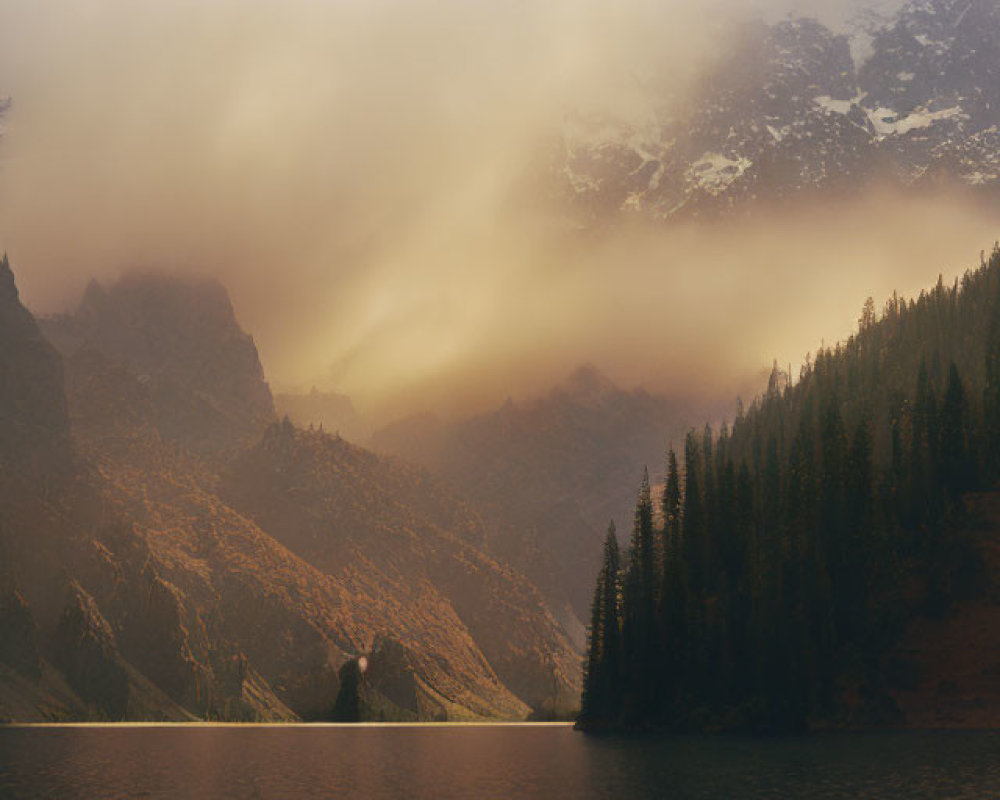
x=78 y=576
x=19 y=645
x=34 y=425
x=160 y=588
x=181 y=342
x=86 y=653
x=383 y=685
x=797 y=110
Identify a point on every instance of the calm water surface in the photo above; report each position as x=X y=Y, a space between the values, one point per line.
x=427 y=763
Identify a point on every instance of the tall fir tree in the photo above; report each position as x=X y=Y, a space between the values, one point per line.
x=602 y=688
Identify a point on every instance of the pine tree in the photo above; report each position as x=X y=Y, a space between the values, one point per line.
x=954 y=446
x=693 y=519
x=602 y=695
x=672 y=509
x=991 y=389
x=639 y=612
x=611 y=623
x=859 y=507
x=591 y=702
x=672 y=600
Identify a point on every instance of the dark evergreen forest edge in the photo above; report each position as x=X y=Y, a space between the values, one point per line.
x=789 y=552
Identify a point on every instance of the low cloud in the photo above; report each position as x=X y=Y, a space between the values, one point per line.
x=358 y=174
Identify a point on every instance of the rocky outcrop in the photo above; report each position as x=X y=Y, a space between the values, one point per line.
x=384 y=685
x=789 y=111
x=19 y=643
x=181 y=342
x=84 y=649
x=34 y=425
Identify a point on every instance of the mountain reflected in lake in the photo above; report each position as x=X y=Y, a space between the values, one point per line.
x=490 y=761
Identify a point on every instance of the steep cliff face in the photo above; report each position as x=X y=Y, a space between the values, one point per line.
x=37 y=467
x=34 y=425
x=180 y=573
x=19 y=645
x=86 y=653
x=181 y=341
x=91 y=628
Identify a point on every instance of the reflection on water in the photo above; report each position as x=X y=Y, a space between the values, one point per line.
x=486 y=762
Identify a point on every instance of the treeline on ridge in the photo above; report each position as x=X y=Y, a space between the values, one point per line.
x=789 y=551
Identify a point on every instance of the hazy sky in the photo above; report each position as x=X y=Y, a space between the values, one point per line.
x=354 y=173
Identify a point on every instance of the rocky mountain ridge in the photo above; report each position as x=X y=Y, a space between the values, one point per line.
x=34 y=426
x=788 y=111
x=181 y=340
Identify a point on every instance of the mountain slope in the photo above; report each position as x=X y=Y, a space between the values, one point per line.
x=227 y=608
x=549 y=474
x=102 y=618
x=60 y=656
x=391 y=535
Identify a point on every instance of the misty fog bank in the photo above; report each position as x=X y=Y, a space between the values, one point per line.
x=360 y=177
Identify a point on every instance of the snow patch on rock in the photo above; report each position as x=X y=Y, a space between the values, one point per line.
x=714 y=172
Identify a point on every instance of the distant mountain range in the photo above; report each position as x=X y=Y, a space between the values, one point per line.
x=795 y=109
x=171 y=551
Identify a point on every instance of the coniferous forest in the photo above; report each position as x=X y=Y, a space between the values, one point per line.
x=788 y=552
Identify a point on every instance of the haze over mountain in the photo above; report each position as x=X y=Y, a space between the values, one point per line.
x=797 y=110
x=188 y=556
x=334 y=412
x=377 y=213
x=674 y=194
x=548 y=474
